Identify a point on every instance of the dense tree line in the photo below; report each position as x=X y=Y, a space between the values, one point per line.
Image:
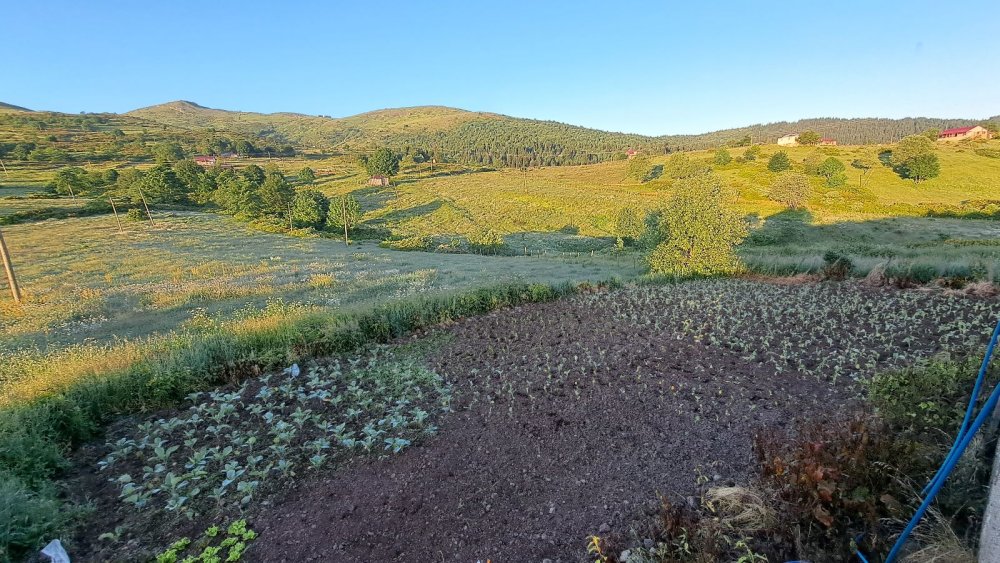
x=859 y=131
x=252 y=193
x=62 y=138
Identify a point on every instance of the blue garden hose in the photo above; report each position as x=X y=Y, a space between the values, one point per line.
x=972 y=403
x=965 y=435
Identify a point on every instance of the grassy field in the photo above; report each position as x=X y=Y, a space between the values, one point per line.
x=97 y=284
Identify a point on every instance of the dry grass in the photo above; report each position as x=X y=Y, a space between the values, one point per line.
x=740 y=508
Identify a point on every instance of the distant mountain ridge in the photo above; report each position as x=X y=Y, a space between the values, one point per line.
x=12 y=107
x=492 y=139
x=411 y=123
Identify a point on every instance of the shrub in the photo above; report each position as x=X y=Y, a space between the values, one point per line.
x=135 y=215
x=681 y=166
x=910 y=275
x=28 y=517
x=487 y=242
x=930 y=396
x=837 y=266
x=752 y=152
x=779 y=162
x=417 y=243
x=790 y=188
x=722 y=157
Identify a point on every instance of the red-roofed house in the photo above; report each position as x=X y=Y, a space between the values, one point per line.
x=630 y=154
x=205 y=160
x=827 y=142
x=962 y=133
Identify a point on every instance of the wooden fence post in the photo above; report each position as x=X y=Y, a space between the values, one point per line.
x=9 y=268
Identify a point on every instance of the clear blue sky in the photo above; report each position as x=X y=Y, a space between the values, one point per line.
x=654 y=68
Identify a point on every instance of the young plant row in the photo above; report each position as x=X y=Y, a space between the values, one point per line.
x=229 y=445
x=829 y=330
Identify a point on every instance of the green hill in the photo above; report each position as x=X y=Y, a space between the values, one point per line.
x=470 y=137
x=498 y=140
x=11 y=107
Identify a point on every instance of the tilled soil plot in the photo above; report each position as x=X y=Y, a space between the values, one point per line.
x=569 y=422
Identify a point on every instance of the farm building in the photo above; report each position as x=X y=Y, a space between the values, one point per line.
x=789 y=140
x=631 y=153
x=962 y=133
x=205 y=160
x=378 y=181
x=827 y=142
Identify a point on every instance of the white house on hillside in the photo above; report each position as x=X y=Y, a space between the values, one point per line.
x=789 y=140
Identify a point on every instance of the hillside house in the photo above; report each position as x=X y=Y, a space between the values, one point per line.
x=789 y=140
x=631 y=153
x=378 y=181
x=963 y=133
x=205 y=161
x=827 y=142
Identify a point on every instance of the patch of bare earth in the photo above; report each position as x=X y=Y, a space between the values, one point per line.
x=568 y=423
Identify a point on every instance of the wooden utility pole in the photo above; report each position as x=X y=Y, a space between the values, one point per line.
x=115 y=209
x=9 y=268
x=148 y=214
x=344 y=215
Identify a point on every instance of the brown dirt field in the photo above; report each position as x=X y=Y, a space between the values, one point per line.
x=532 y=464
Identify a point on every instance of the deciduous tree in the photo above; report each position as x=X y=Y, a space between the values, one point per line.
x=700 y=230
x=808 y=138
x=382 y=162
x=310 y=209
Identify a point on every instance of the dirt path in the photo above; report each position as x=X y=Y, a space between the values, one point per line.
x=568 y=424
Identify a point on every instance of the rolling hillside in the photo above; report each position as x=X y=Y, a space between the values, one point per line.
x=500 y=140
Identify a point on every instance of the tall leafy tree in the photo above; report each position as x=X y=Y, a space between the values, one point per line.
x=310 y=209
x=237 y=196
x=383 y=162
x=168 y=152
x=833 y=170
x=275 y=194
x=909 y=147
x=808 y=138
x=161 y=185
x=254 y=174
x=921 y=167
x=913 y=157
x=700 y=230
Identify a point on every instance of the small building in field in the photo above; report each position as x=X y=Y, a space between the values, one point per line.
x=631 y=153
x=827 y=142
x=789 y=140
x=229 y=155
x=378 y=180
x=963 y=133
x=205 y=160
